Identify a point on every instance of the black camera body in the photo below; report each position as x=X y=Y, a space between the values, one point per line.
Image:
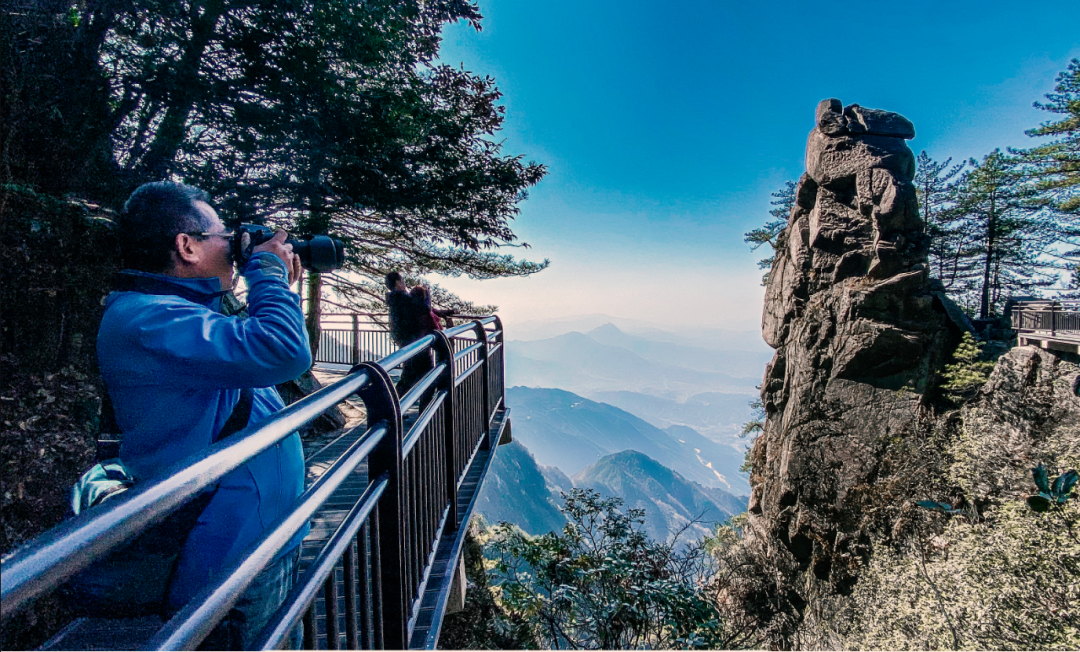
x=319 y=253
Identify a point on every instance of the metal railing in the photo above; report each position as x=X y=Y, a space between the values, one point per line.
x=387 y=542
x=353 y=338
x=1054 y=320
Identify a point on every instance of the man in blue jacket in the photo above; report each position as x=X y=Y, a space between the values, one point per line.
x=174 y=367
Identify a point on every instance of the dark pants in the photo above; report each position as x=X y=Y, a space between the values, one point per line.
x=248 y=617
x=412 y=372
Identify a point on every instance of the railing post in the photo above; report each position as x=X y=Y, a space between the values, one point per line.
x=382 y=405
x=444 y=350
x=355 y=338
x=500 y=338
x=481 y=333
x=1053 y=320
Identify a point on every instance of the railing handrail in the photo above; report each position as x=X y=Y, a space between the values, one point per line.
x=48 y=561
x=74 y=544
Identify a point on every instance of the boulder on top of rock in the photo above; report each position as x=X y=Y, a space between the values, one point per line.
x=876 y=122
x=833 y=119
x=830 y=117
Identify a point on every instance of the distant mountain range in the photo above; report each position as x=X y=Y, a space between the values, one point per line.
x=720 y=417
x=567 y=431
x=667 y=399
x=712 y=339
x=714 y=356
x=580 y=363
x=518 y=490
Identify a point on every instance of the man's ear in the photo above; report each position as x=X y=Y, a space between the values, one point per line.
x=186 y=250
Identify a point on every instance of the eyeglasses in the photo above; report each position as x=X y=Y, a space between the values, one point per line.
x=228 y=235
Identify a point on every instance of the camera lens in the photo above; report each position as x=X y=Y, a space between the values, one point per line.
x=320 y=253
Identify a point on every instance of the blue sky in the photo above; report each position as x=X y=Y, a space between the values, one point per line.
x=665 y=126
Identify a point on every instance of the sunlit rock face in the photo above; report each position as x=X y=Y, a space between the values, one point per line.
x=859 y=334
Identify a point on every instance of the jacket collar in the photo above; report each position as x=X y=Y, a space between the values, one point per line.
x=203 y=291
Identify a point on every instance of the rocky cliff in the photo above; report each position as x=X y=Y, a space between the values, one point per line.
x=859 y=330
x=857 y=429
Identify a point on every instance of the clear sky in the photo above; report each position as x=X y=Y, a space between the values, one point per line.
x=665 y=126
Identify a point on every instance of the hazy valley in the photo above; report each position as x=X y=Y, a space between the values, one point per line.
x=630 y=410
x=665 y=378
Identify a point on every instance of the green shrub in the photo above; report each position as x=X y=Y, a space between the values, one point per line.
x=602 y=584
x=1007 y=582
x=965 y=376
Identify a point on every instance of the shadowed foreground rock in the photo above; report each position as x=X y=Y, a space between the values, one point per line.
x=859 y=331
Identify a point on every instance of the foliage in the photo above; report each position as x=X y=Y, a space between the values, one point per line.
x=967 y=374
x=1002 y=212
x=482 y=624
x=1055 y=166
x=54 y=114
x=46 y=440
x=737 y=584
x=950 y=245
x=933 y=505
x=995 y=574
x=772 y=232
x=1051 y=495
x=57 y=264
x=315 y=116
x=757 y=421
x=602 y=584
x=1007 y=582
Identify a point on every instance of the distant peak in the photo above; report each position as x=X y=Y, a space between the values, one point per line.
x=606 y=329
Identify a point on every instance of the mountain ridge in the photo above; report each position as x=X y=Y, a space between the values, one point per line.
x=566 y=430
x=672 y=503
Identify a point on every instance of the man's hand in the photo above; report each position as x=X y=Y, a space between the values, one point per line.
x=277 y=246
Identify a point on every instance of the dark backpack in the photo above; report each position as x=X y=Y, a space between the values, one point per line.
x=133 y=580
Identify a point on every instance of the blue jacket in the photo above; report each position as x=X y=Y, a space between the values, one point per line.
x=174 y=367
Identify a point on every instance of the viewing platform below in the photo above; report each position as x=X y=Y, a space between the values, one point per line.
x=1050 y=325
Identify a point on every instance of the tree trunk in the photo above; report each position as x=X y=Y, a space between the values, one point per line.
x=314 y=313
x=991 y=232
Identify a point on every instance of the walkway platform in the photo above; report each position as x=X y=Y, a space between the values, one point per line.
x=1066 y=343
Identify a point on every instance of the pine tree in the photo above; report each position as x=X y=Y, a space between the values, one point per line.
x=950 y=246
x=1002 y=213
x=314 y=116
x=772 y=232
x=1055 y=167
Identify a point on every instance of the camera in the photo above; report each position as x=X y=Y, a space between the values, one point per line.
x=319 y=253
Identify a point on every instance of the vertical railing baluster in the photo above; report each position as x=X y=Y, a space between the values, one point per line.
x=366 y=608
x=425 y=484
x=355 y=339
x=500 y=365
x=348 y=563
x=444 y=353
x=407 y=524
x=311 y=633
x=378 y=613
x=330 y=600
x=415 y=524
